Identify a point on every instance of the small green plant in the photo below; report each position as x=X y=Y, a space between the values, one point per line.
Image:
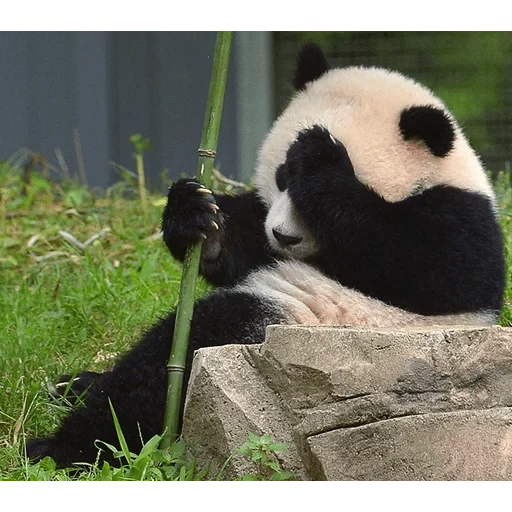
x=261 y=450
x=141 y=144
x=150 y=463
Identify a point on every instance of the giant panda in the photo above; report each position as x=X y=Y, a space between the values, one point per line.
x=370 y=209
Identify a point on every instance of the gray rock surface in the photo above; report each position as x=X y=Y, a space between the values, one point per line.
x=356 y=404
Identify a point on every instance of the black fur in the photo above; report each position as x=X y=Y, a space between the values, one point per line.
x=311 y=65
x=439 y=252
x=429 y=124
x=232 y=251
x=71 y=389
x=138 y=382
x=282 y=178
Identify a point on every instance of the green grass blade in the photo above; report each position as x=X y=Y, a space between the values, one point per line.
x=120 y=436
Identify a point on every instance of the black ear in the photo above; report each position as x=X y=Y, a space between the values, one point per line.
x=429 y=124
x=311 y=64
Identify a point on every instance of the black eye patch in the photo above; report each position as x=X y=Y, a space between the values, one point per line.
x=281 y=178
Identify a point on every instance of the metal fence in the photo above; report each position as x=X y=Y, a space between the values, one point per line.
x=470 y=71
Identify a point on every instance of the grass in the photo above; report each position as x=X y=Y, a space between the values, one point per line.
x=503 y=187
x=64 y=308
x=66 y=305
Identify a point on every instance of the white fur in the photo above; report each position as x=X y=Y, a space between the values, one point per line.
x=283 y=217
x=310 y=298
x=361 y=107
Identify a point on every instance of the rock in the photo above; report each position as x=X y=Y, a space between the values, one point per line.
x=359 y=404
x=227 y=398
x=462 y=445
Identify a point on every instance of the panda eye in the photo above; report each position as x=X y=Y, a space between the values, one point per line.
x=282 y=178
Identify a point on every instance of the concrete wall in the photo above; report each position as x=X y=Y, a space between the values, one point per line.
x=111 y=85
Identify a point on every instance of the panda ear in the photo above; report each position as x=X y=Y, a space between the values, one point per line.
x=311 y=64
x=431 y=125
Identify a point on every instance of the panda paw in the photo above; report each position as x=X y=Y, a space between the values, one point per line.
x=191 y=215
x=63 y=455
x=315 y=151
x=71 y=389
x=38 y=449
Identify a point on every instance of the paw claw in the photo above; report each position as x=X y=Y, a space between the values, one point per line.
x=191 y=215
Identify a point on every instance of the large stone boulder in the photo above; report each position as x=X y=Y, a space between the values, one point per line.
x=352 y=404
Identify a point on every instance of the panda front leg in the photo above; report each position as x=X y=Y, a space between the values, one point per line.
x=231 y=227
x=322 y=185
x=73 y=388
x=137 y=384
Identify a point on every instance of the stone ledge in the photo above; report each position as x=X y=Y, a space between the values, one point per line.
x=352 y=403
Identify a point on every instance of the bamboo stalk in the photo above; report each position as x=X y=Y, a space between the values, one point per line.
x=185 y=309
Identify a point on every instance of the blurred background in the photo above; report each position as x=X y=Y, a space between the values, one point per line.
x=76 y=97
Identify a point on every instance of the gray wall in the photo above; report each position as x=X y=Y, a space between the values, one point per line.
x=111 y=85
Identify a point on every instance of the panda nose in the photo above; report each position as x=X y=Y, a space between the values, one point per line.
x=286 y=240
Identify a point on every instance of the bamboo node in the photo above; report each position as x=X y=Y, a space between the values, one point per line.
x=175 y=368
x=210 y=153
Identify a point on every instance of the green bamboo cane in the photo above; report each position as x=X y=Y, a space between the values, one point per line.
x=185 y=309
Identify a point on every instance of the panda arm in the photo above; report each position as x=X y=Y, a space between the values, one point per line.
x=242 y=240
x=234 y=240
x=438 y=252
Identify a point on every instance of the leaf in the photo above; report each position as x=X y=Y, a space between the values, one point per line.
x=76 y=197
x=253 y=438
x=282 y=475
x=142 y=462
x=112 y=448
x=47 y=464
x=7 y=242
x=156 y=473
x=61 y=477
x=161 y=456
x=266 y=439
x=246 y=449
x=183 y=473
x=202 y=474
x=273 y=465
x=120 y=435
x=223 y=468
x=106 y=471
x=178 y=449
x=257 y=456
x=249 y=478
x=278 y=447
x=140 y=143
x=150 y=447
x=139 y=467
x=170 y=472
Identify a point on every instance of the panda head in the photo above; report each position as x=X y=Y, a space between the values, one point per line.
x=400 y=138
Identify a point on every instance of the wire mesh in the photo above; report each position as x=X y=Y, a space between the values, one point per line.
x=470 y=71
